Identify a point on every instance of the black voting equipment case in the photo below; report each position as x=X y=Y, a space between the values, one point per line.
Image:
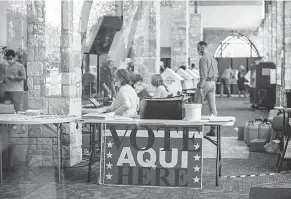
x=165 y=108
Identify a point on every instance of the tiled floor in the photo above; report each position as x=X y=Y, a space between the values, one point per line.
x=39 y=183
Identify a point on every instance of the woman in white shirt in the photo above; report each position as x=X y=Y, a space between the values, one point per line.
x=161 y=90
x=126 y=101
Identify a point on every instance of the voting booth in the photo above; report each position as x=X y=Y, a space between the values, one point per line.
x=188 y=80
x=173 y=81
x=195 y=77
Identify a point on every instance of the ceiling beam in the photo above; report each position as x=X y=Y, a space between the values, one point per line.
x=230 y=3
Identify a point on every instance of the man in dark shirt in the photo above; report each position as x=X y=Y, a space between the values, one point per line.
x=208 y=76
x=106 y=79
x=14 y=86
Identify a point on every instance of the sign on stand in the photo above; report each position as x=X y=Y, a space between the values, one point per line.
x=144 y=157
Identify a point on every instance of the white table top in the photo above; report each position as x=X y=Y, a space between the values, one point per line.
x=282 y=108
x=206 y=121
x=43 y=119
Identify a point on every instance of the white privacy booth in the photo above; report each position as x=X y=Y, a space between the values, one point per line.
x=188 y=80
x=173 y=81
x=195 y=77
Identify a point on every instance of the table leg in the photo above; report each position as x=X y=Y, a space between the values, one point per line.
x=1 y=174
x=59 y=130
x=283 y=155
x=219 y=147
x=90 y=134
x=92 y=150
x=217 y=162
x=101 y=144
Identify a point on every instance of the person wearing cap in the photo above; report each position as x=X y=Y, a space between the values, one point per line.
x=241 y=82
x=206 y=88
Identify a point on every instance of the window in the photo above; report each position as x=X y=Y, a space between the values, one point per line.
x=16 y=30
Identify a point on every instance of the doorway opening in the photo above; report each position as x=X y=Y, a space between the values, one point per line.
x=236 y=45
x=235 y=50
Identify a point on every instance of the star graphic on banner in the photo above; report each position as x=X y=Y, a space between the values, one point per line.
x=196 y=168
x=108 y=176
x=196 y=179
x=197 y=146
x=109 y=144
x=197 y=157
x=109 y=155
x=109 y=165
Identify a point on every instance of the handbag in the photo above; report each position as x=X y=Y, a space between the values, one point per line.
x=162 y=108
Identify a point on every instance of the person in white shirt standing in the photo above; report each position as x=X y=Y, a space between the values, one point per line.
x=226 y=76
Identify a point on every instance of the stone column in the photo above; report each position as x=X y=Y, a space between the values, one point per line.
x=279 y=51
x=36 y=55
x=269 y=26
x=147 y=52
x=265 y=45
x=41 y=146
x=69 y=102
x=279 y=39
x=179 y=46
x=195 y=35
x=65 y=97
x=287 y=28
x=274 y=31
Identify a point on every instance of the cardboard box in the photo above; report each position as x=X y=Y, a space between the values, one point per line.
x=7 y=109
x=257 y=145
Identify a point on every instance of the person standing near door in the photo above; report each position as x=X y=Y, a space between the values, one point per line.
x=106 y=78
x=226 y=76
x=208 y=76
x=241 y=82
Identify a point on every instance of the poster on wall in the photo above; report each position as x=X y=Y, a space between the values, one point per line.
x=143 y=157
x=287 y=78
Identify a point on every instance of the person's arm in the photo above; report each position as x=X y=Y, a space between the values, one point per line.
x=158 y=93
x=112 y=87
x=202 y=72
x=22 y=75
x=105 y=87
x=124 y=101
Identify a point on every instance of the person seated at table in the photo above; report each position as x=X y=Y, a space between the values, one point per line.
x=126 y=101
x=161 y=89
x=140 y=88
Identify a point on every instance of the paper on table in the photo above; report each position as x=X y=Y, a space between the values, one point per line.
x=217 y=119
x=273 y=76
x=266 y=71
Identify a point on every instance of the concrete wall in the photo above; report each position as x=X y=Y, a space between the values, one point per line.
x=221 y=17
x=232 y=17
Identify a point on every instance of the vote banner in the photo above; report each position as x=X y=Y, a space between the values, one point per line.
x=144 y=157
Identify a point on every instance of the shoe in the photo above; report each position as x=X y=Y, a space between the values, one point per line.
x=211 y=133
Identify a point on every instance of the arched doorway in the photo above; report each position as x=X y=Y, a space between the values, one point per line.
x=236 y=45
x=236 y=50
